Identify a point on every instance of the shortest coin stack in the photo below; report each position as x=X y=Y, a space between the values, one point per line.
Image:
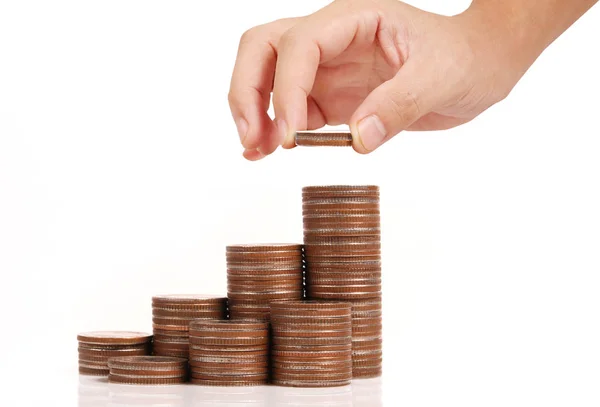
x=229 y=353
x=96 y=348
x=149 y=370
x=312 y=344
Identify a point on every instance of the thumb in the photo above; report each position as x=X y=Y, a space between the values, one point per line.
x=391 y=108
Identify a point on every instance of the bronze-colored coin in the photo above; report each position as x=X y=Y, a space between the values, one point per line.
x=338 y=296
x=225 y=325
x=340 y=224
x=307 y=383
x=231 y=375
x=308 y=306
x=314 y=348
x=171 y=353
x=190 y=307
x=266 y=261
x=313 y=376
x=114 y=338
x=242 y=359
x=339 y=251
x=85 y=359
x=318 y=189
x=286 y=341
x=342 y=231
x=309 y=354
x=187 y=299
x=267 y=247
x=266 y=288
x=93 y=372
x=171 y=346
x=199 y=334
x=214 y=349
x=114 y=352
x=215 y=313
x=264 y=255
x=323 y=138
x=313 y=322
x=93 y=365
x=241 y=341
x=148 y=372
x=343 y=288
x=343 y=371
x=268 y=297
x=315 y=281
x=230 y=383
x=92 y=346
x=181 y=328
x=145 y=380
x=171 y=336
x=366 y=373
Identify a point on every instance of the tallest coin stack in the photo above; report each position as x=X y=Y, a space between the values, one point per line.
x=342 y=243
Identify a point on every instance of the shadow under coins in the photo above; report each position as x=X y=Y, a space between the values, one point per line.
x=97 y=392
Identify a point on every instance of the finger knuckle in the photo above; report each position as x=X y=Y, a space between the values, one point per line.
x=252 y=35
x=404 y=106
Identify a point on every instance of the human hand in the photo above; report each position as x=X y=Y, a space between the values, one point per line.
x=381 y=66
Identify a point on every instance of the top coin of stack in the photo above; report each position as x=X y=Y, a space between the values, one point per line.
x=343 y=261
x=172 y=314
x=96 y=348
x=323 y=138
x=260 y=273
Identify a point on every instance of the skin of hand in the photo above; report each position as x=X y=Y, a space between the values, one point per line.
x=382 y=67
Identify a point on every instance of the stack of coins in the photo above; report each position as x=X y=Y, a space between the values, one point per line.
x=260 y=273
x=343 y=261
x=172 y=314
x=150 y=370
x=95 y=349
x=323 y=138
x=367 y=340
x=229 y=353
x=312 y=343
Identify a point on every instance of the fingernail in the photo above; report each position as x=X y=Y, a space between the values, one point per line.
x=283 y=132
x=371 y=132
x=242 y=128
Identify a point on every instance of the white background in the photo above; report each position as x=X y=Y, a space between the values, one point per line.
x=121 y=176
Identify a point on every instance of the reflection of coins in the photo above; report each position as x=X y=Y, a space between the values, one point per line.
x=323 y=138
x=96 y=348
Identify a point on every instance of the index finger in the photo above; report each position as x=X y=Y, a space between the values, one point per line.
x=251 y=85
x=315 y=40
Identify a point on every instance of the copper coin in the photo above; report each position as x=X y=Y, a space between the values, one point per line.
x=308 y=306
x=94 y=372
x=266 y=247
x=229 y=349
x=188 y=299
x=323 y=138
x=313 y=376
x=171 y=345
x=171 y=336
x=360 y=373
x=230 y=325
x=232 y=375
x=314 y=321
x=286 y=341
x=339 y=296
x=183 y=328
x=231 y=383
x=318 y=189
x=189 y=307
x=113 y=352
x=241 y=341
x=307 y=383
x=145 y=380
x=148 y=373
x=345 y=288
x=114 y=337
